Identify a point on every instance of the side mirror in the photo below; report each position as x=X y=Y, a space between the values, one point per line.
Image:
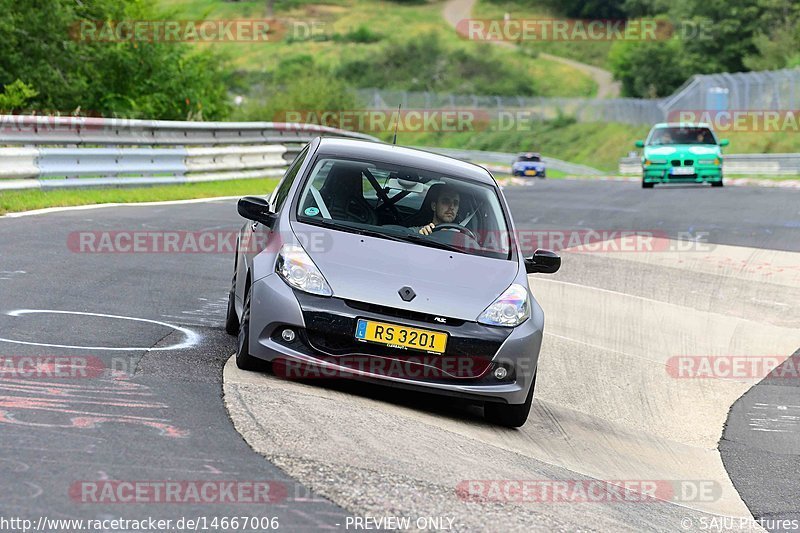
x=724 y=142
x=639 y=144
x=257 y=209
x=543 y=262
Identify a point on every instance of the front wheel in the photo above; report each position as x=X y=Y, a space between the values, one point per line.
x=244 y=360
x=509 y=415
x=716 y=183
x=231 y=320
x=646 y=185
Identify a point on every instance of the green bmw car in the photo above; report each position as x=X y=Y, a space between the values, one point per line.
x=681 y=153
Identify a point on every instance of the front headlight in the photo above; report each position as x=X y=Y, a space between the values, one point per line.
x=648 y=162
x=708 y=161
x=299 y=271
x=510 y=309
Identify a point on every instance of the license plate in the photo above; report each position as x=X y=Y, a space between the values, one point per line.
x=682 y=171
x=401 y=336
x=530 y=172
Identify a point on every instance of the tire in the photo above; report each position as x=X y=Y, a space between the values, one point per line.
x=646 y=185
x=231 y=320
x=716 y=183
x=509 y=415
x=244 y=360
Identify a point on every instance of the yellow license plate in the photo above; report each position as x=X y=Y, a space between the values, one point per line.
x=401 y=336
x=530 y=172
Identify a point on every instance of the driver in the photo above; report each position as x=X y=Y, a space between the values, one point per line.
x=445 y=209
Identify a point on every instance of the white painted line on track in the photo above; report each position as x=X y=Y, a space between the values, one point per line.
x=48 y=210
x=190 y=337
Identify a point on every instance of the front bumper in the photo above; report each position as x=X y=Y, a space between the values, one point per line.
x=324 y=346
x=661 y=174
x=534 y=173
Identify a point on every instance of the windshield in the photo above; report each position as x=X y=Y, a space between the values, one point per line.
x=419 y=206
x=528 y=157
x=688 y=135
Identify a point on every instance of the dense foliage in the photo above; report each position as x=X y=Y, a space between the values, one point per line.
x=708 y=36
x=60 y=73
x=701 y=37
x=45 y=66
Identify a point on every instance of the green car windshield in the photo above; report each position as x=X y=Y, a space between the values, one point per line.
x=393 y=202
x=686 y=135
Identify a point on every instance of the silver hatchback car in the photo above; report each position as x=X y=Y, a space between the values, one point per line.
x=388 y=264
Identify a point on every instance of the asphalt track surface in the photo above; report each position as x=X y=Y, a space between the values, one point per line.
x=763 y=465
x=160 y=414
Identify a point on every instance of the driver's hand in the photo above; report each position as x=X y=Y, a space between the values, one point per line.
x=427 y=230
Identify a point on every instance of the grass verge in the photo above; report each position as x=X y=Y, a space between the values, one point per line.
x=598 y=145
x=15 y=201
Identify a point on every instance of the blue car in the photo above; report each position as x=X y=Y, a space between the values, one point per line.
x=528 y=164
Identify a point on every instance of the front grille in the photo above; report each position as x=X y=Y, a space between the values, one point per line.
x=688 y=162
x=676 y=162
x=402 y=313
x=330 y=325
x=346 y=351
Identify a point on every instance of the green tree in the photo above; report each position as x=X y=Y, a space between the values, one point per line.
x=596 y=9
x=16 y=96
x=777 y=43
x=725 y=36
x=39 y=45
x=711 y=36
x=648 y=69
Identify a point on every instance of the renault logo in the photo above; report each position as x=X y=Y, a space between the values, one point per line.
x=407 y=294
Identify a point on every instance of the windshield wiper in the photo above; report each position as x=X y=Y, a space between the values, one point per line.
x=354 y=229
x=433 y=244
x=413 y=237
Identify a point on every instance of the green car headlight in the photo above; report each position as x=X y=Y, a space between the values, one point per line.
x=648 y=162
x=708 y=161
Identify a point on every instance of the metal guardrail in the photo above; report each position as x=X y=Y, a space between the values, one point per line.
x=737 y=164
x=65 y=152
x=506 y=159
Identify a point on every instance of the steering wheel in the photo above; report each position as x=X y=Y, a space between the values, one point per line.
x=457 y=227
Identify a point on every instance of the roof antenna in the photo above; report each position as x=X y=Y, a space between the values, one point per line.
x=394 y=141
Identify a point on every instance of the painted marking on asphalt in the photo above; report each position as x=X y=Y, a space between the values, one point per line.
x=190 y=337
x=210 y=313
x=768 y=420
x=48 y=210
x=8 y=274
x=52 y=405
